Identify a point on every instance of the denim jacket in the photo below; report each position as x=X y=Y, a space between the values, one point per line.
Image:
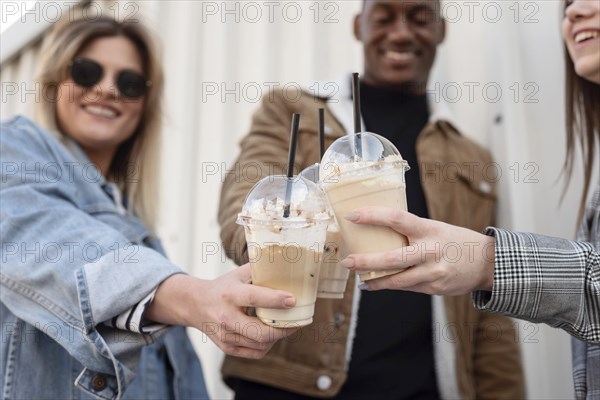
x=71 y=260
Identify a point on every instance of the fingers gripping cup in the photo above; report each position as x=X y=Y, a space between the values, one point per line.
x=332 y=277
x=373 y=176
x=285 y=252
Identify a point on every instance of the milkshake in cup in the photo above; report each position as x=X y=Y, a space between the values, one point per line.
x=332 y=277
x=371 y=176
x=285 y=253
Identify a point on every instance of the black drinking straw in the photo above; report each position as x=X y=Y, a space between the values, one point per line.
x=357 y=124
x=291 y=159
x=321 y=133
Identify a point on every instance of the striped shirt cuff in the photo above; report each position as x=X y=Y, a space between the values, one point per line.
x=133 y=320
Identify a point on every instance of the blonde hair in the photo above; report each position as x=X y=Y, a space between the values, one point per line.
x=134 y=167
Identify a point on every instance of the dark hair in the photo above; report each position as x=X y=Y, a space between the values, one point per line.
x=583 y=124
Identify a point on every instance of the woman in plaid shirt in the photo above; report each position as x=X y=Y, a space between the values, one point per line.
x=523 y=275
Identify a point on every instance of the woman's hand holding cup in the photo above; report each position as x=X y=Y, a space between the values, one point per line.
x=440 y=259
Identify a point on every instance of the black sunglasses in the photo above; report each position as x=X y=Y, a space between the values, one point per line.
x=88 y=73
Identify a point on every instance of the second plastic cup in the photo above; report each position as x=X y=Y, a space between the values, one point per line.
x=285 y=252
x=332 y=278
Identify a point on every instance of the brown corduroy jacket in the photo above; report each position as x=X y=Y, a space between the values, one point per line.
x=476 y=354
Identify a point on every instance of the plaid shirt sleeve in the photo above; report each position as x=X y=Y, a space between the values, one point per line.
x=544 y=279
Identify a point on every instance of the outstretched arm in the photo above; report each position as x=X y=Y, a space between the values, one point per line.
x=440 y=258
x=217 y=308
x=527 y=276
x=66 y=263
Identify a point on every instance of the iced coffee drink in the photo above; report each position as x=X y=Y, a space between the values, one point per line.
x=376 y=178
x=285 y=252
x=332 y=277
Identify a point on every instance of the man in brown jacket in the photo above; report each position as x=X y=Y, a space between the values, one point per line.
x=382 y=344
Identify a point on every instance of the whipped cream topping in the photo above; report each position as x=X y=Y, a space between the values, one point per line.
x=310 y=209
x=331 y=171
x=306 y=226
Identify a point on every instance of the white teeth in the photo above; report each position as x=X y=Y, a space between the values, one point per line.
x=582 y=36
x=101 y=111
x=396 y=56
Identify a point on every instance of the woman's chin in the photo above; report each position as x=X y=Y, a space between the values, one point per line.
x=589 y=73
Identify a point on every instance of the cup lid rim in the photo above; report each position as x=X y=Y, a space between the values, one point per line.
x=357 y=171
x=247 y=220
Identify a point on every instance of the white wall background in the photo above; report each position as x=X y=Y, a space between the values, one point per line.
x=507 y=52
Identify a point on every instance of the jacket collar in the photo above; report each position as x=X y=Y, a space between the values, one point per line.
x=81 y=157
x=340 y=103
x=109 y=187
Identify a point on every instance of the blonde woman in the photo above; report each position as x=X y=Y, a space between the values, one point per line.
x=87 y=293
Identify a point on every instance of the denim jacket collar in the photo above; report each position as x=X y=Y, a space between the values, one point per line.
x=109 y=187
x=81 y=157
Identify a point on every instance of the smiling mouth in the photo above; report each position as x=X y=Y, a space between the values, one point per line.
x=585 y=36
x=399 y=56
x=101 y=111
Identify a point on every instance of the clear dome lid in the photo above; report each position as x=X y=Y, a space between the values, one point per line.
x=311 y=173
x=266 y=203
x=353 y=153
